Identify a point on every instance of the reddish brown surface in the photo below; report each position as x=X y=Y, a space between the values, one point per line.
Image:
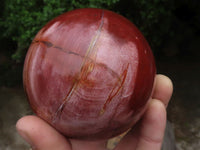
x=89 y=73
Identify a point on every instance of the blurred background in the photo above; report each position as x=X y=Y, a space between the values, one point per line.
x=172 y=28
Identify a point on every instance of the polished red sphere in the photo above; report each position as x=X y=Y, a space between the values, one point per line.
x=89 y=73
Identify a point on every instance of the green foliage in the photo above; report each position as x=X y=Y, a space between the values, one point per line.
x=93 y=3
x=22 y=19
x=158 y=20
x=152 y=17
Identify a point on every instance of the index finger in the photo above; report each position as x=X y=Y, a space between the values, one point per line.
x=163 y=89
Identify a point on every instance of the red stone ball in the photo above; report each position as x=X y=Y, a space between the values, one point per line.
x=89 y=73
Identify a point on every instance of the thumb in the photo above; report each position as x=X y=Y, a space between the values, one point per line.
x=40 y=135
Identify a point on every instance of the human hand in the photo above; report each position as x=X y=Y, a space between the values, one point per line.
x=147 y=134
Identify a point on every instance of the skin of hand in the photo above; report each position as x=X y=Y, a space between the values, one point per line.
x=147 y=134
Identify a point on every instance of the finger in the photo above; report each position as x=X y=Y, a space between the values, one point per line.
x=88 y=145
x=163 y=88
x=149 y=132
x=40 y=135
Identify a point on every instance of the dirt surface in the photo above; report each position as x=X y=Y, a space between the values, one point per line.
x=183 y=110
x=13 y=105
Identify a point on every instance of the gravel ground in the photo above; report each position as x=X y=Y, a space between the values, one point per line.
x=184 y=108
x=13 y=105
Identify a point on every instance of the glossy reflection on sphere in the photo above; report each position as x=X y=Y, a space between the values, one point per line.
x=89 y=73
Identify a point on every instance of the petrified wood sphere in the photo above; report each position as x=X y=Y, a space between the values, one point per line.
x=89 y=73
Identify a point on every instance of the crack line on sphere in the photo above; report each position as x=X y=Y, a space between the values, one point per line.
x=115 y=90
x=84 y=70
x=91 y=51
x=67 y=97
x=49 y=44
